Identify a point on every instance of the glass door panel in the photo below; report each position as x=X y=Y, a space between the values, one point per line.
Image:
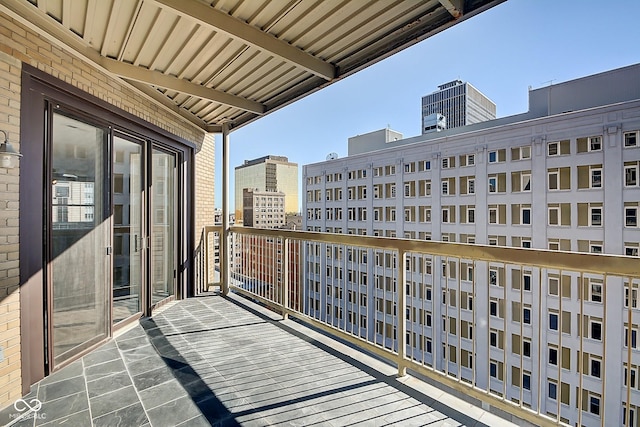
x=80 y=234
x=128 y=238
x=163 y=230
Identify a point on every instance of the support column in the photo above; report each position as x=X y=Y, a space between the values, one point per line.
x=225 y=247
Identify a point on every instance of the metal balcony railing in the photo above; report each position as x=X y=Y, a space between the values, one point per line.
x=550 y=337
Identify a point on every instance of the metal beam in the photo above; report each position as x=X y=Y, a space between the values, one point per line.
x=156 y=78
x=455 y=7
x=225 y=246
x=250 y=35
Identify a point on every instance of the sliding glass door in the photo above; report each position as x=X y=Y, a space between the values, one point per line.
x=128 y=230
x=112 y=230
x=79 y=237
x=163 y=218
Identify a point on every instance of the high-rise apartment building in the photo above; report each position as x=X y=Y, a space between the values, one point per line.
x=562 y=176
x=268 y=173
x=455 y=104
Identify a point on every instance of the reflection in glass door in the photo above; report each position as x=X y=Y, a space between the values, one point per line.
x=163 y=218
x=128 y=238
x=79 y=238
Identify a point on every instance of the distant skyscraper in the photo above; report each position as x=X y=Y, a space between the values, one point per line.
x=268 y=173
x=459 y=102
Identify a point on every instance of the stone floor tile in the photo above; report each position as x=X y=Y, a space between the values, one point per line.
x=173 y=413
x=132 y=415
x=114 y=400
x=61 y=389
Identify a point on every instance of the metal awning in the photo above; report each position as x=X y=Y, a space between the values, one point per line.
x=233 y=61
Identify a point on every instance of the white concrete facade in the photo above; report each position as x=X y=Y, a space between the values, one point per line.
x=542 y=179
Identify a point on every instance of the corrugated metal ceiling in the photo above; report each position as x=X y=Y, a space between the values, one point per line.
x=236 y=60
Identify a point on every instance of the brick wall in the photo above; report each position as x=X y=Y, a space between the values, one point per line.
x=205 y=160
x=19 y=44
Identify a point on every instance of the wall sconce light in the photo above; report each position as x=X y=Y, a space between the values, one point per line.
x=8 y=155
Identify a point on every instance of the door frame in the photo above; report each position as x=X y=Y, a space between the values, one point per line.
x=37 y=88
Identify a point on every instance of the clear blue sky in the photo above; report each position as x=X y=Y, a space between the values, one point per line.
x=502 y=51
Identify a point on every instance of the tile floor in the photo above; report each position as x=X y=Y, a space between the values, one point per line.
x=224 y=361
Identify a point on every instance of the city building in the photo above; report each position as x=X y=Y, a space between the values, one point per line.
x=263 y=209
x=293 y=222
x=455 y=104
x=562 y=176
x=268 y=173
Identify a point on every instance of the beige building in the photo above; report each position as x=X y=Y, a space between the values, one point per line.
x=268 y=173
x=263 y=209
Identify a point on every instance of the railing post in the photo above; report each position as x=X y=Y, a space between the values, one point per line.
x=205 y=254
x=285 y=281
x=225 y=248
x=402 y=308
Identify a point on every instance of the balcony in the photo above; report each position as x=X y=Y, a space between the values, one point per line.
x=529 y=333
x=227 y=361
x=331 y=329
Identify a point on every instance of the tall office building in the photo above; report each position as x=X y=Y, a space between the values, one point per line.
x=533 y=180
x=455 y=104
x=268 y=173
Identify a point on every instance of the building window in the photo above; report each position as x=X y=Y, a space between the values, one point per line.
x=596 y=292
x=526 y=215
x=595 y=143
x=553 y=149
x=526 y=182
x=631 y=249
x=595 y=328
x=445 y=187
x=553 y=178
x=493 y=308
x=526 y=381
x=553 y=356
x=493 y=277
x=526 y=315
x=553 y=321
x=596 y=178
x=427 y=165
x=631 y=216
x=631 y=139
x=553 y=390
x=594 y=404
x=595 y=367
x=520 y=153
x=493 y=185
x=595 y=216
x=471 y=215
x=631 y=175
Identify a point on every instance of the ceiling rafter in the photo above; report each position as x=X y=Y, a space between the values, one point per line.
x=156 y=78
x=127 y=71
x=455 y=7
x=250 y=35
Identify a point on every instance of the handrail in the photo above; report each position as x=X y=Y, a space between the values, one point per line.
x=278 y=271
x=593 y=263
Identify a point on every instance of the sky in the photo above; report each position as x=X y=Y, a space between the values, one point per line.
x=502 y=52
